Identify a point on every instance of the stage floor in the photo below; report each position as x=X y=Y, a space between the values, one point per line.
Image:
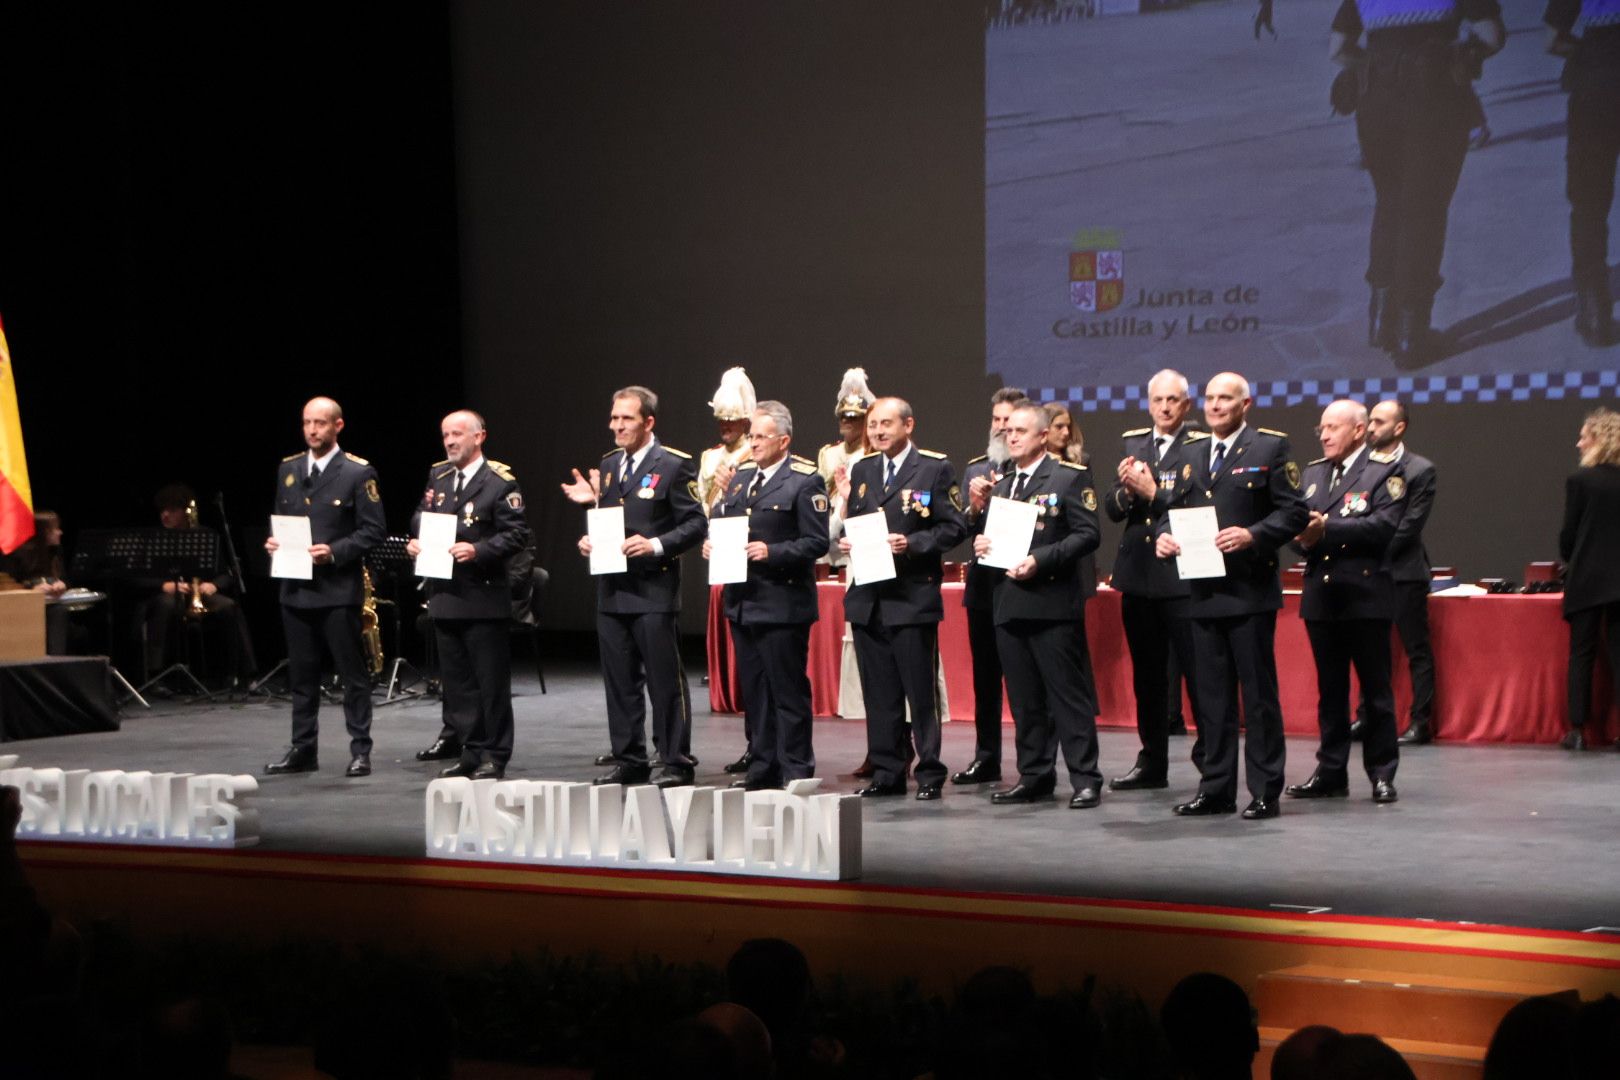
x=1509 y=835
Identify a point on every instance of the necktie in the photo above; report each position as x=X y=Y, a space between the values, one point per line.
x=1220 y=459
x=758 y=484
x=624 y=475
x=1018 y=485
x=888 y=479
x=460 y=476
x=1338 y=474
x=314 y=475
x=1159 y=445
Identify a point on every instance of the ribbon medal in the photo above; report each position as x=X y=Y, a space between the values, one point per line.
x=1355 y=502
x=467 y=515
x=920 y=500
x=649 y=486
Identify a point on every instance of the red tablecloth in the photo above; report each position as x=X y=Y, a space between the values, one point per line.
x=1500 y=664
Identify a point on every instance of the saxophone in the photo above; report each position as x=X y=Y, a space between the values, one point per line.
x=196 y=609
x=370 y=632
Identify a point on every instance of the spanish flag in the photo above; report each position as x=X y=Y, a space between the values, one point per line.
x=16 y=497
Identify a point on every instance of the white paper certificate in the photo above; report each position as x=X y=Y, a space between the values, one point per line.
x=438 y=533
x=605 y=526
x=291 y=559
x=870 y=558
x=1195 y=529
x=728 y=552
x=1009 y=526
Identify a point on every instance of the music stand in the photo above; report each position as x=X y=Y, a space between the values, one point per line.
x=182 y=555
x=117 y=556
x=389 y=561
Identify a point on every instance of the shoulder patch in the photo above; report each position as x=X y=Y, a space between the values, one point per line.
x=800 y=466
x=1396 y=487
x=293 y=457
x=1134 y=432
x=935 y=454
x=1088 y=497
x=981 y=457
x=1272 y=432
x=1292 y=472
x=679 y=453
x=355 y=458
x=501 y=469
x=819 y=502
x=1194 y=436
x=1380 y=456
x=371 y=490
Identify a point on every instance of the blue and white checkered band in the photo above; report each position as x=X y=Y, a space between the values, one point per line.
x=1599 y=13
x=1387 y=14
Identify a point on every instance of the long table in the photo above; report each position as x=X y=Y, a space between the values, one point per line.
x=1500 y=666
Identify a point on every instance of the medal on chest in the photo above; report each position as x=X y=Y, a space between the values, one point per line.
x=1355 y=502
x=649 y=487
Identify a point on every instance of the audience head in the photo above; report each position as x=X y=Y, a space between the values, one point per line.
x=187 y=1039
x=1360 y=1057
x=750 y=1042
x=771 y=979
x=1295 y=1058
x=1210 y=1027
x=1597 y=1039
x=1532 y=1041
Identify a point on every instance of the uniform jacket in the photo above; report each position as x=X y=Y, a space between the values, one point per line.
x=1408 y=558
x=1590 y=539
x=1347 y=572
x=1065 y=533
x=1137 y=570
x=345 y=510
x=1257 y=489
x=660 y=500
x=925 y=505
x=789 y=516
x=489 y=516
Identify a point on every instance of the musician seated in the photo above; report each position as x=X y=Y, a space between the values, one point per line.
x=168 y=604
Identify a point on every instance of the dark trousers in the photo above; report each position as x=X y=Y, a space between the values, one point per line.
x=1160 y=640
x=312 y=633
x=1412 y=624
x=1232 y=655
x=1587 y=628
x=641 y=655
x=1336 y=647
x=163 y=613
x=771 y=662
x=1053 y=703
x=1413 y=127
x=475 y=665
x=986 y=685
x=1590 y=154
x=897 y=666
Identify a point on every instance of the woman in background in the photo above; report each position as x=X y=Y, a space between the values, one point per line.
x=37 y=565
x=1589 y=544
x=1063 y=438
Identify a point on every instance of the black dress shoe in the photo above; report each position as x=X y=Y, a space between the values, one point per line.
x=1384 y=792
x=1574 y=740
x=442 y=749
x=1021 y=793
x=1319 y=787
x=359 y=766
x=1138 y=779
x=1416 y=735
x=879 y=791
x=294 y=761
x=460 y=768
x=490 y=770
x=980 y=772
x=605 y=760
x=625 y=774
x=1085 y=799
x=670 y=777
x=865 y=770
x=1202 y=805
x=742 y=763
x=929 y=792
x=1260 y=808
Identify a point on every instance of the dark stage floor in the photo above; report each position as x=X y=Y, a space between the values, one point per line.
x=1521 y=836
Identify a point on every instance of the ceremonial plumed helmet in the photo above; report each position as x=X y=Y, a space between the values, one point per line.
x=854 y=396
x=735 y=398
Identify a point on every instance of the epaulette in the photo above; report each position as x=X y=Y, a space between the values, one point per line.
x=679 y=453
x=445 y=473
x=1380 y=456
x=981 y=457
x=1072 y=465
x=356 y=460
x=293 y=457
x=436 y=464
x=799 y=465
x=745 y=466
x=1273 y=432
x=1194 y=436
x=801 y=458
x=935 y=454
x=610 y=453
x=1318 y=461
x=502 y=470
x=1134 y=432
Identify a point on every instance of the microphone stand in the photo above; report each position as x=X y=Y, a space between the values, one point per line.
x=230 y=546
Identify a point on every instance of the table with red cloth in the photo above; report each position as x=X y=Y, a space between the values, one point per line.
x=1500 y=666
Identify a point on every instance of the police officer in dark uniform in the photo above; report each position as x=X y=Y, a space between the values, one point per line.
x=1355 y=502
x=1153 y=598
x=1412 y=120
x=978 y=597
x=1247 y=476
x=896 y=622
x=1040 y=618
x=472 y=611
x=338 y=493
x=636 y=610
x=785 y=501
x=1592 y=78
